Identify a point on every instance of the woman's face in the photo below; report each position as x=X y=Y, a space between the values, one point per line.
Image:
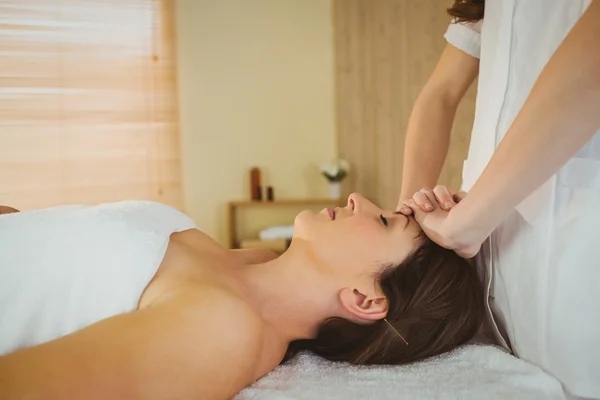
x=358 y=239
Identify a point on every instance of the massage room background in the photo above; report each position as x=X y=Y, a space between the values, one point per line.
x=176 y=101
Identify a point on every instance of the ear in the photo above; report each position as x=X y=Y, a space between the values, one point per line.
x=363 y=306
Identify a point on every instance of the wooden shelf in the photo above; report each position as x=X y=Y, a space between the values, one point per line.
x=284 y=202
x=235 y=205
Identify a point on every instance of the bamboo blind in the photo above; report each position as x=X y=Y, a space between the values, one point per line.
x=88 y=109
x=385 y=51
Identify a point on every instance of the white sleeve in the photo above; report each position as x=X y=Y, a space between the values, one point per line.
x=465 y=37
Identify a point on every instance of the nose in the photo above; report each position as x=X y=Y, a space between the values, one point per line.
x=354 y=201
x=357 y=203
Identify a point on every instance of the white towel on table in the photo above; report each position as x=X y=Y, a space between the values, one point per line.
x=471 y=372
x=277 y=232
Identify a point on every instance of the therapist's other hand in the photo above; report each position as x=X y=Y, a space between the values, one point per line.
x=437 y=226
x=440 y=194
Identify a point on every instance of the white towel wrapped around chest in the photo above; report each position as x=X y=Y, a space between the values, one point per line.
x=65 y=268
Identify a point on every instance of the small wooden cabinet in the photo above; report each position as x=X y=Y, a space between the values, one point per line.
x=235 y=206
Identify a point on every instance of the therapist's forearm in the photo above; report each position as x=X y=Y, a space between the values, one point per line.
x=427 y=141
x=560 y=115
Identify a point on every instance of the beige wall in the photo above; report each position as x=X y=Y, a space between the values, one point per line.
x=256 y=88
x=385 y=52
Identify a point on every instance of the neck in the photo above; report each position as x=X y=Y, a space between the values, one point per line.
x=287 y=293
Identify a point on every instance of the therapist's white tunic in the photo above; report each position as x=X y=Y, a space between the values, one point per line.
x=545 y=258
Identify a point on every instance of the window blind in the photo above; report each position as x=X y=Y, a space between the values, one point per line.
x=88 y=102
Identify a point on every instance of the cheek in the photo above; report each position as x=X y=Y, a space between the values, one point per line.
x=365 y=233
x=357 y=243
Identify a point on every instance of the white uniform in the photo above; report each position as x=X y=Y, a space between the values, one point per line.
x=545 y=257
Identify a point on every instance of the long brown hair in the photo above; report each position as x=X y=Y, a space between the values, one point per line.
x=435 y=302
x=467 y=10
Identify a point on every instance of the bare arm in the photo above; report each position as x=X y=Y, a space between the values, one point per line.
x=174 y=351
x=560 y=115
x=430 y=123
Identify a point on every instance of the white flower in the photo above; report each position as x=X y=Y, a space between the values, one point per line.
x=330 y=169
x=335 y=171
x=335 y=167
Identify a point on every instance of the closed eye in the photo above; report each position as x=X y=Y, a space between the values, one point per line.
x=383 y=219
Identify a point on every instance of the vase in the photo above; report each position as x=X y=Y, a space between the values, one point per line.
x=335 y=190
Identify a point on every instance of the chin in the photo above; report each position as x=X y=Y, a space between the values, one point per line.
x=304 y=217
x=302 y=223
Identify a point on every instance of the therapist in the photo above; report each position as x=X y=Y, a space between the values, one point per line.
x=532 y=173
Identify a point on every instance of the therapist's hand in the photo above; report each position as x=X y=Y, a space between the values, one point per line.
x=437 y=225
x=443 y=197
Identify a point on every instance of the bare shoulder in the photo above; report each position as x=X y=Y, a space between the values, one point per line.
x=207 y=341
x=248 y=347
x=225 y=314
x=229 y=338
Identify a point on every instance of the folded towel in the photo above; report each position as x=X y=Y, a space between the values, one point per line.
x=470 y=372
x=277 y=232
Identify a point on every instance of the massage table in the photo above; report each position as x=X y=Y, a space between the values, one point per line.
x=469 y=372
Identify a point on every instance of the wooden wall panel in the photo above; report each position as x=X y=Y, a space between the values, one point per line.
x=385 y=51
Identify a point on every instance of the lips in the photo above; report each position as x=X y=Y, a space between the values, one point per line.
x=331 y=213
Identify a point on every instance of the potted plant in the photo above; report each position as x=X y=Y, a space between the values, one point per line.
x=335 y=172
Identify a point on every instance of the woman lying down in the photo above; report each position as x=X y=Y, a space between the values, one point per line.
x=131 y=301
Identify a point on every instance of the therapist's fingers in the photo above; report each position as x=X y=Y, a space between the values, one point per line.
x=404 y=208
x=425 y=200
x=431 y=197
x=443 y=197
x=414 y=207
x=417 y=213
x=420 y=200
